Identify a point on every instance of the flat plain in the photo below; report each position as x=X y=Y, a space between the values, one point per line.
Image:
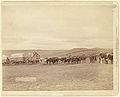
x=84 y=76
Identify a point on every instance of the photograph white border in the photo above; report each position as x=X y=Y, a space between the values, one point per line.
x=76 y=93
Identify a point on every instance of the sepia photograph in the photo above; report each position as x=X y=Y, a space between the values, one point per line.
x=59 y=46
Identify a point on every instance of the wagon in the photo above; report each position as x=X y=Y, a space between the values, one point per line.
x=21 y=58
x=32 y=58
x=17 y=58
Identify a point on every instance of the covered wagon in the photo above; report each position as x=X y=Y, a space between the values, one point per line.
x=32 y=58
x=17 y=58
x=21 y=58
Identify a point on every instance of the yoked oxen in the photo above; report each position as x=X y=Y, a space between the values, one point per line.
x=52 y=60
x=65 y=60
x=83 y=58
x=76 y=59
x=73 y=59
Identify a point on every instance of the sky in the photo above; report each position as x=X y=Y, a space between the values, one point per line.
x=56 y=27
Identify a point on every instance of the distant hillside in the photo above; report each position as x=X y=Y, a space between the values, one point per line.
x=80 y=51
x=51 y=53
x=43 y=53
x=91 y=51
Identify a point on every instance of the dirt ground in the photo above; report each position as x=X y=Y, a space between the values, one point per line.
x=83 y=76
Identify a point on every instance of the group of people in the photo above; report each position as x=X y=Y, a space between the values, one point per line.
x=102 y=58
x=106 y=57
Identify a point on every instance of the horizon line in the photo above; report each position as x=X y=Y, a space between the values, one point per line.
x=58 y=49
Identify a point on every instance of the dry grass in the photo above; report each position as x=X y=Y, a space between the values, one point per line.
x=59 y=77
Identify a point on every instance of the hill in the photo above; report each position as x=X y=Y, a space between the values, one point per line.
x=51 y=53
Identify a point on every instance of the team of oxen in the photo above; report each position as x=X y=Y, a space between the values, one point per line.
x=101 y=58
x=34 y=58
